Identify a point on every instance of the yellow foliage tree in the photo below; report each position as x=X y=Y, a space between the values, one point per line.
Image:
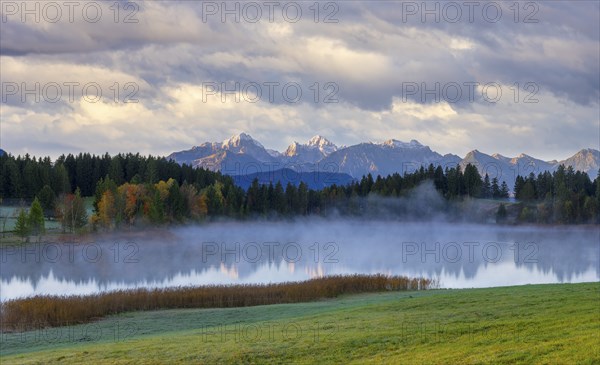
x=163 y=188
x=107 y=210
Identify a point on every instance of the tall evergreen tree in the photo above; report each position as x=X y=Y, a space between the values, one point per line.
x=22 y=225
x=504 y=190
x=495 y=189
x=486 y=188
x=47 y=199
x=472 y=181
x=36 y=218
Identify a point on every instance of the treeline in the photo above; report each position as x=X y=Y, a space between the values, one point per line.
x=565 y=196
x=451 y=183
x=24 y=177
x=169 y=202
x=138 y=190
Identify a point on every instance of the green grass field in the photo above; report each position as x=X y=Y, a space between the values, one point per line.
x=546 y=324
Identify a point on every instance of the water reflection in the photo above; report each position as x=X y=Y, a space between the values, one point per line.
x=227 y=253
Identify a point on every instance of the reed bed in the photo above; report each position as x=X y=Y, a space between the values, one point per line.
x=52 y=311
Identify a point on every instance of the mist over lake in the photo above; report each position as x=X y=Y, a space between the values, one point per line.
x=458 y=255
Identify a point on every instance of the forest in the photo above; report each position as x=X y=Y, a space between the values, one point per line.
x=134 y=190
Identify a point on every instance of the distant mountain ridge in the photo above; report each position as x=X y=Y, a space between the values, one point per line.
x=315 y=180
x=242 y=155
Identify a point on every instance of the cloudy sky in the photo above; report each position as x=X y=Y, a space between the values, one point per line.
x=498 y=77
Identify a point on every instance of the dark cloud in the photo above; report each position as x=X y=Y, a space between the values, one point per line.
x=370 y=54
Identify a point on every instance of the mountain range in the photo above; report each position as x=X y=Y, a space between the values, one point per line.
x=242 y=155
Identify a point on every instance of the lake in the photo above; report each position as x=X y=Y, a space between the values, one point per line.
x=458 y=255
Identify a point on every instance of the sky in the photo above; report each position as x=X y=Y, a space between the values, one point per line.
x=156 y=77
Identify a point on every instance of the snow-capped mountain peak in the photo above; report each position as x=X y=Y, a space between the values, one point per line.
x=318 y=141
x=394 y=143
x=292 y=149
x=238 y=140
x=323 y=144
x=316 y=148
x=392 y=156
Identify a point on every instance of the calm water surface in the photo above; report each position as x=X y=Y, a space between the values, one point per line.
x=459 y=256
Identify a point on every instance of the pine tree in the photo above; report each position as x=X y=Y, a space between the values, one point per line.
x=156 y=212
x=279 y=198
x=47 y=199
x=30 y=179
x=472 y=181
x=504 y=190
x=527 y=192
x=22 y=225
x=303 y=197
x=486 y=189
x=519 y=184
x=60 y=182
x=115 y=170
x=11 y=178
x=175 y=203
x=36 y=218
x=495 y=189
x=291 y=195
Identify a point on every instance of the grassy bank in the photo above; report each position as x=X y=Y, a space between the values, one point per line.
x=53 y=311
x=547 y=324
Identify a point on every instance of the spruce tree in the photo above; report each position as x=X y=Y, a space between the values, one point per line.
x=495 y=188
x=22 y=225
x=504 y=190
x=36 y=218
x=47 y=199
x=486 y=189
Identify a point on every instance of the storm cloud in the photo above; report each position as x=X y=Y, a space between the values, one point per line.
x=364 y=58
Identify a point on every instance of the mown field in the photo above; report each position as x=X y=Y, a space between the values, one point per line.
x=545 y=324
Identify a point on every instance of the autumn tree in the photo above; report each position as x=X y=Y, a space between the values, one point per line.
x=131 y=195
x=71 y=211
x=107 y=210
